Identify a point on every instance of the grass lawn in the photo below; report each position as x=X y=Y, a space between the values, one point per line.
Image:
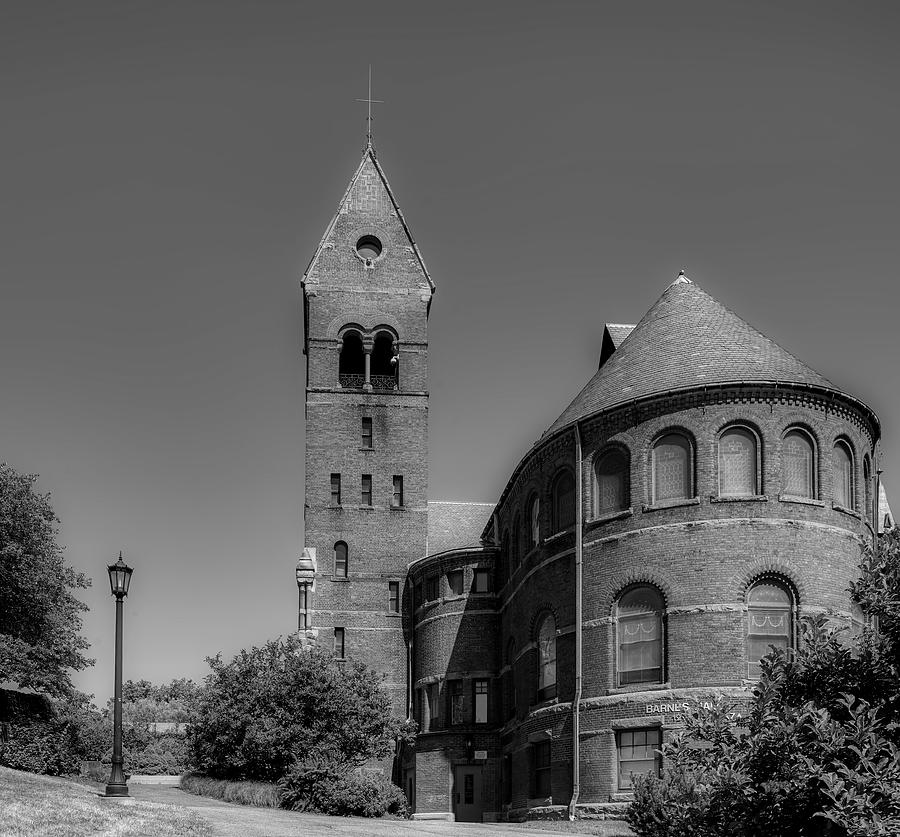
x=42 y=806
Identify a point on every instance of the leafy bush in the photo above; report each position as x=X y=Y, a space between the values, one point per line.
x=163 y=756
x=271 y=706
x=820 y=752
x=261 y=794
x=74 y=732
x=350 y=794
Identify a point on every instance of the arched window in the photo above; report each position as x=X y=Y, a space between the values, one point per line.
x=533 y=535
x=510 y=678
x=798 y=464
x=867 y=482
x=563 y=506
x=384 y=370
x=673 y=468
x=639 y=636
x=352 y=362
x=769 y=622
x=738 y=460
x=340 y=559
x=842 y=475
x=547 y=658
x=505 y=568
x=515 y=541
x=611 y=494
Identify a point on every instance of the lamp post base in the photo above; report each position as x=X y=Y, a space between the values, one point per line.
x=117 y=790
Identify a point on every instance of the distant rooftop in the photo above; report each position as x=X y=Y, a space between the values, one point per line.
x=455 y=525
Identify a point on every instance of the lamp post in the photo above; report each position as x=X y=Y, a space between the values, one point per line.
x=119 y=581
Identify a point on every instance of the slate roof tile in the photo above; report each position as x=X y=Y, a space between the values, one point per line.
x=686 y=339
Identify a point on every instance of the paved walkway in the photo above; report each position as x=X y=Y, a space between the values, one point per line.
x=243 y=821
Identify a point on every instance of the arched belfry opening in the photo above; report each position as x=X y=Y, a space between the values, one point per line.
x=385 y=371
x=352 y=363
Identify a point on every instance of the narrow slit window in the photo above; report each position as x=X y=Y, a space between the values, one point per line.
x=335 y=489
x=367 y=432
x=340 y=559
x=394 y=596
x=339 y=648
x=397 y=496
x=366 y=498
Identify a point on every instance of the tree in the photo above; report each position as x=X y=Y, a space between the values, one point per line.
x=819 y=754
x=40 y=618
x=282 y=704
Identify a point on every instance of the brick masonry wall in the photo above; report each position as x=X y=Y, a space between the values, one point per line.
x=390 y=293
x=702 y=556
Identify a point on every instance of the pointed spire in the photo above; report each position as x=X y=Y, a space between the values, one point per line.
x=682 y=279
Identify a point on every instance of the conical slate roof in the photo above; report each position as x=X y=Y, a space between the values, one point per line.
x=686 y=340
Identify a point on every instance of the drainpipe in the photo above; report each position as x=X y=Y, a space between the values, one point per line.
x=579 y=566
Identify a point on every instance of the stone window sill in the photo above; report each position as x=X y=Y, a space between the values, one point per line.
x=844 y=510
x=397 y=508
x=671 y=504
x=559 y=534
x=747 y=498
x=340 y=578
x=803 y=501
x=367 y=450
x=608 y=517
x=367 y=508
x=631 y=688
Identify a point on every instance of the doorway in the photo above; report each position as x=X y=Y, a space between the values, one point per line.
x=468 y=793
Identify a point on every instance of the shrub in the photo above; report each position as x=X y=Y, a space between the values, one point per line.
x=261 y=794
x=56 y=745
x=269 y=706
x=322 y=789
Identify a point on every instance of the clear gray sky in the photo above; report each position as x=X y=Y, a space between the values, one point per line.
x=167 y=168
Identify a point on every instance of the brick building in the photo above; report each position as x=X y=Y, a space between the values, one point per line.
x=702 y=492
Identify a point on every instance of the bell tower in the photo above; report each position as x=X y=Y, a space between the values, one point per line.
x=366 y=298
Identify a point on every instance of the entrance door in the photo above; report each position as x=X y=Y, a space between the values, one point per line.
x=468 y=798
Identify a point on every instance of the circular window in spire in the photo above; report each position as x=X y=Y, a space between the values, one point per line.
x=368 y=248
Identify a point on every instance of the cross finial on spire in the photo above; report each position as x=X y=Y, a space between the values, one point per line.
x=370 y=101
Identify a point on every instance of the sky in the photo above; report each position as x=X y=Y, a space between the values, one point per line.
x=167 y=169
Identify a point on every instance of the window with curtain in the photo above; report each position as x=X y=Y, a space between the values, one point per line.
x=534 y=522
x=515 y=553
x=639 y=636
x=672 y=468
x=563 y=507
x=547 y=658
x=842 y=475
x=769 y=621
x=738 y=463
x=612 y=483
x=798 y=464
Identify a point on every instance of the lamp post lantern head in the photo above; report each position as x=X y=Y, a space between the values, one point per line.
x=119 y=577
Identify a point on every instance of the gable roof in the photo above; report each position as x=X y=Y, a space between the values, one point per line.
x=367 y=165
x=687 y=339
x=453 y=525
